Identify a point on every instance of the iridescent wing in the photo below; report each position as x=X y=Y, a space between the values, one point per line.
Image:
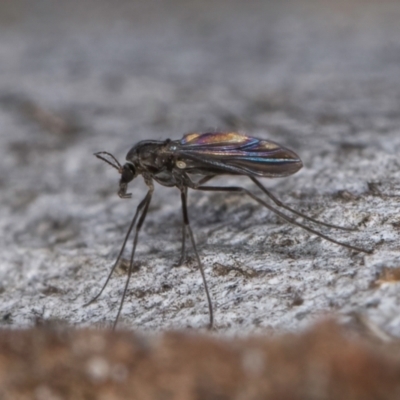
x=234 y=153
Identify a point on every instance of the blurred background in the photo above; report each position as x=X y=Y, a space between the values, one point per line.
x=321 y=77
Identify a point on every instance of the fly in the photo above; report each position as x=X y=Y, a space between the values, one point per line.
x=190 y=163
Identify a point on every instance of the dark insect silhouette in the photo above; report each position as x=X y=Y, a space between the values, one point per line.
x=190 y=163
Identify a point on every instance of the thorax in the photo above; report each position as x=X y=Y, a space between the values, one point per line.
x=152 y=159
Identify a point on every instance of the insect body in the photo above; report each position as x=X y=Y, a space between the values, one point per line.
x=190 y=163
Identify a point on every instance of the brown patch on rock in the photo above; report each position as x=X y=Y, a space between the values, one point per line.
x=320 y=364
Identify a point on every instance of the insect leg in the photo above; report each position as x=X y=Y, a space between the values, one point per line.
x=280 y=214
x=183 y=248
x=186 y=221
x=205 y=179
x=138 y=209
x=280 y=204
x=135 y=240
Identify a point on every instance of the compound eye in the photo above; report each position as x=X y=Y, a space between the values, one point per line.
x=128 y=173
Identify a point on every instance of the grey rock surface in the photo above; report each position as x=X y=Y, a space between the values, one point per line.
x=322 y=78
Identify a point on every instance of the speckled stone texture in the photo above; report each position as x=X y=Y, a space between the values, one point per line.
x=321 y=78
